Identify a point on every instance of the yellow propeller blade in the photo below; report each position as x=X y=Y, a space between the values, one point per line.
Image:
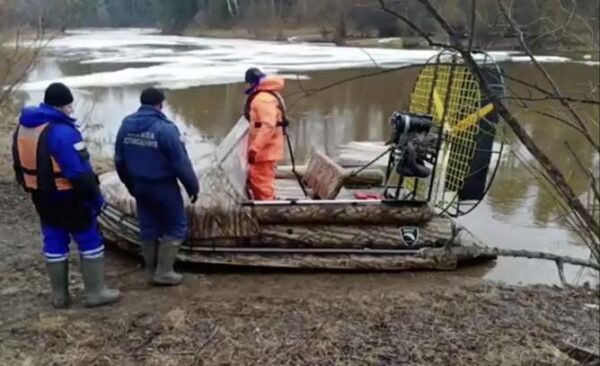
x=438 y=105
x=472 y=119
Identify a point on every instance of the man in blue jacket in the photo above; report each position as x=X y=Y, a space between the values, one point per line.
x=150 y=159
x=52 y=164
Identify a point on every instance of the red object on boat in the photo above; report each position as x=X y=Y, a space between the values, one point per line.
x=367 y=196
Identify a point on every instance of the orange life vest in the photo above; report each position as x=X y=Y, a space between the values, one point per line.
x=281 y=106
x=35 y=167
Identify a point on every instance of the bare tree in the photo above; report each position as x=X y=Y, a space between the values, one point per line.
x=581 y=216
x=19 y=52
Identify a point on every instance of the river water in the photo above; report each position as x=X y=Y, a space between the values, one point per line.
x=109 y=68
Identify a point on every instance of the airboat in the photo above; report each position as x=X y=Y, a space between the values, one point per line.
x=438 y=164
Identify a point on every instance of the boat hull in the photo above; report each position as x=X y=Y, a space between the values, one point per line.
x=440 y=245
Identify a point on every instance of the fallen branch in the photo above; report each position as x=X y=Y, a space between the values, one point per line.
x=474 y=251
x=580 y=354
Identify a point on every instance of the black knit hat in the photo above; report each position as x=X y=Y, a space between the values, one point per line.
x=58 y=95
x=253 y=75
x=152 y=96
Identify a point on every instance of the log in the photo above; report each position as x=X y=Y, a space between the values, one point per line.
x=466 y=252
x=366 y=178
x=583 y=355
x=341 y=214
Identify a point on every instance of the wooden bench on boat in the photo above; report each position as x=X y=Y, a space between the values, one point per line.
x=324 y=176
x=323 y=179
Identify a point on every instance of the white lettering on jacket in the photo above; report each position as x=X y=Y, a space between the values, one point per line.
x=144 y=139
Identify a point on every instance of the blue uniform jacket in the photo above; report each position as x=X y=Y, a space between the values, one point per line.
x=65 y=144
x=149 y=149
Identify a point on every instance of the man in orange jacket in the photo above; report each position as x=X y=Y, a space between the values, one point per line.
x=265 y=111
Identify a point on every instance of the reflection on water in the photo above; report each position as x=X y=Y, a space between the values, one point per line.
x=519 y=212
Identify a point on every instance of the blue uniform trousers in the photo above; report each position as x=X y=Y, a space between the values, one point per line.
x=56 y=242
x=160 y=209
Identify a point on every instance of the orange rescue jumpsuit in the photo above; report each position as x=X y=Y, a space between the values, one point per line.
x=266 y=138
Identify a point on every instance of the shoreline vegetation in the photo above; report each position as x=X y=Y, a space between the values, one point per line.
x=313 y=35
x=546 y=25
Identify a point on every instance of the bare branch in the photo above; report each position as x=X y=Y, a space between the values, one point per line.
x=561 y=273
x=473 y=19
x=310 y=92
x=586 y=171
x=562 y=120
x=551 y=171
x=412 y=25
x=557 y=98
x=543 y=71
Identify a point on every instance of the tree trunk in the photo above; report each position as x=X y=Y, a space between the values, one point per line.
x=554 y=174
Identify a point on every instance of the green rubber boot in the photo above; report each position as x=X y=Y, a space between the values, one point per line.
x=96 y=292
x=167 y=254
x=150 y=252
x=58 y=272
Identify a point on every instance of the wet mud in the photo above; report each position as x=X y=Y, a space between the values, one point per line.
x=221 y=317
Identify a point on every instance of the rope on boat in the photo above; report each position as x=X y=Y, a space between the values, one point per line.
x=293 y=160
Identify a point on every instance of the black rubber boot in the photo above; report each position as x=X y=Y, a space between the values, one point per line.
x=58 y=272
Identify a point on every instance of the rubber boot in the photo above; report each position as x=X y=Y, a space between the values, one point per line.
x=150 y=252
x=96 y=292
x=58 y=272
x=167 y=253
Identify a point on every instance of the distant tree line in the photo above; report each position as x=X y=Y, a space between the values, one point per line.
x=549 y=20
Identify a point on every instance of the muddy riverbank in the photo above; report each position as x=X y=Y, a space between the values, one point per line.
x=256 y=318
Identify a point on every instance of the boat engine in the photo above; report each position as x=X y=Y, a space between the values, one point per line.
x=414 y=144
